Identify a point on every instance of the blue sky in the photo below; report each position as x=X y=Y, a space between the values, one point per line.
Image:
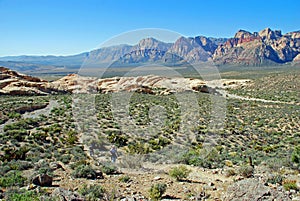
x=65 y=27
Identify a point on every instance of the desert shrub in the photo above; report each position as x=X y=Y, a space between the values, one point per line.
x=131 y=161
x=246 y=171
x=289 y=185
x=125 y=179
x=159 y=143
x=45 y=170
x=84 y=171
x=18 y=135
x=207 y=158
x=17 y=195
x=20 y=165
x=71 y=137
x=276 y=163
x=4 y=169
x=275 y=179
x=296 y=155
x=23 y=124
x=179 y=173
x=118 y=139
x=109 y=168
x=230 y=172
x=65 y=158
x=78 y=163
x=12 y=178
x=93 y=192
x=138 y=148
x=157 y=190
x=78 y=154
x=14 y=115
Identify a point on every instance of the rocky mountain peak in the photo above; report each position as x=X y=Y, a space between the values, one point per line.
x=267 y=33
x=242 y=34
x=152 y=43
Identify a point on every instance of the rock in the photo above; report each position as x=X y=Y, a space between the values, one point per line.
x=99 y=174
x=67 y=195
x=211 y=184
x=13 y=83
x=157 y=178
x=42 y=180
x=254 y=190
x=56 y=165
x=296 y=198
x=31 y=187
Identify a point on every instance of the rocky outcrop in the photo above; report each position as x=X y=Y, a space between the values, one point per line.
x=13 y=83
x=149 y=84
x=265 y=47
x=252 y=189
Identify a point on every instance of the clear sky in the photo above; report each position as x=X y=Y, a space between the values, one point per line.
x=65 y=27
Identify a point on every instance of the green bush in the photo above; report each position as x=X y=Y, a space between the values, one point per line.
x=246 y=171
x=93 y=192
x=12 y=178
x=296 y=155
x=179 y=173
x=157 y=190
x=125 y=179
x=109 y=168
x=23 y=196
x=275 y=179
x=71 y=137
x=290 y=185
x=207 y=158
x=230 y=172
x=84 y=171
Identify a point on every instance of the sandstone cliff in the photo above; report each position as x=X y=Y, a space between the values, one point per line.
x=265 y=47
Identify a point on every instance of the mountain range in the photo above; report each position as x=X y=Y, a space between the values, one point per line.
x=267 y=47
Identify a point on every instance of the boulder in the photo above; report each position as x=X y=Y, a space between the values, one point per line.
x=254 y=190
x=42 y=180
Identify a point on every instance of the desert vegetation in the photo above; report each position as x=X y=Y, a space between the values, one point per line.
x=259 y=139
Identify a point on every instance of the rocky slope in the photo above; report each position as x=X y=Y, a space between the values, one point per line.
x=265 y=47
x=13 y=83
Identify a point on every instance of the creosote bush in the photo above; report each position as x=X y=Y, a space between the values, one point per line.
x=157 y=190
x=84 y=171
x=109 y=168
x=12 y=178
x=179 y=173
x=296 y=155
x=125 y=179
x=93 y=192
x=246 y=171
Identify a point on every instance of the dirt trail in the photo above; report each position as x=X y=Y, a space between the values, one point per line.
x=34 y=114
x=221 y=89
